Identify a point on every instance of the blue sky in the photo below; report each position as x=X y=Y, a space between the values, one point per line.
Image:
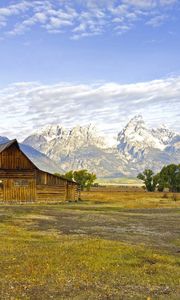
x=110 y=54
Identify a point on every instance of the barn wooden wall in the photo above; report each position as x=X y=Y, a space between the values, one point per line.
x=49 y=179
x=1 y=195
x=50 y=188
x=23 y=182
x=47 y=193
x=32 y=192
x=54 y=188
x=19 y=193
x=13 y=158
x=17 y=185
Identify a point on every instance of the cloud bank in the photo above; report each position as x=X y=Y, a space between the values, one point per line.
x=26 y=106
x=83 y=18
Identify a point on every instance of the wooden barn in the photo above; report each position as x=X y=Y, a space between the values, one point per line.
x=21 y=180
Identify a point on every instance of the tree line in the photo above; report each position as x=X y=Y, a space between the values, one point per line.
x=167 y=178
x=84 y=178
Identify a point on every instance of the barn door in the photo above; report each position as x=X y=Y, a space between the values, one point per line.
x=20 y=190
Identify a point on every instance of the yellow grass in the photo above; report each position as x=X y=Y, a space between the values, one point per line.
x=35 y=265
x=132 y=199
x=109 y=246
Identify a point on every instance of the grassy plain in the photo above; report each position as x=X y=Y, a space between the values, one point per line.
x=107 y=246
x=119 y=181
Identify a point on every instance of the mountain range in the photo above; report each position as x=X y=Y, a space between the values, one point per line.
x=137 y=147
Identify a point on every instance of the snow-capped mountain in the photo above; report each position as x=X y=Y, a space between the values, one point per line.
x=77 y=148
x=148 y=148
x=136 y=139
x=138 y=147
x=57 y=142
x=164 y=135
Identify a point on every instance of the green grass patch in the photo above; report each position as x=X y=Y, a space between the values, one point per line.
x=89 y=250
x=43 y=266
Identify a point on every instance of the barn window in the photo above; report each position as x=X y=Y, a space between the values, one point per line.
x=21 y=182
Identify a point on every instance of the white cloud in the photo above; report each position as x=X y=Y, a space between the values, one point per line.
x=142 y=3
x=157 y=21
x=168 y=2
x=26 y=106
x=83 y=18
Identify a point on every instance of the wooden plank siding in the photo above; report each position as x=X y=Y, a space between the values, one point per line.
x=50 y=186
x=10 y=174
x=49 y=179
x=19 y=193
x=21 y=181
x=1 y=195
x=13 y=159
x=47 y=193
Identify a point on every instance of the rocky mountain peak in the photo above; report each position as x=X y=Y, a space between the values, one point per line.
x=135 y=128
x=51 y=132
x=136 y=139
x=138 y=147
x=137 y=119
x=164 y=134
x=89 y=130
x=56 y=141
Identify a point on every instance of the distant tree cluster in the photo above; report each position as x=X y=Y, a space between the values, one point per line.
x=167 y=178
x=84 y=178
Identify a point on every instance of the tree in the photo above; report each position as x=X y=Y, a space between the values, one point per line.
x=150 y=180
x=169 y=177
x=69 y=175
x=82 y=177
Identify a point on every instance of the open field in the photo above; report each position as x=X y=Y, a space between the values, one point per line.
x=108 y=246
x=119 y=181
x=113 y=198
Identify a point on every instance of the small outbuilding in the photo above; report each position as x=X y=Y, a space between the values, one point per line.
x=21 y=180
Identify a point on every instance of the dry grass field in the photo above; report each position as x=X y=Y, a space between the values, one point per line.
x=107 y=246
x=132 y=199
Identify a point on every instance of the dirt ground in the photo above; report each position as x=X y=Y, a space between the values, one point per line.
x=93 y=249
x=154 y=227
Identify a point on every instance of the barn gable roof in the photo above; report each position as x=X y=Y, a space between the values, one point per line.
x=6 y=145
x=14 y=142
x=40 y=166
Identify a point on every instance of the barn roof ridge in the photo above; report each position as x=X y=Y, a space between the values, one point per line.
x=7 y=144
